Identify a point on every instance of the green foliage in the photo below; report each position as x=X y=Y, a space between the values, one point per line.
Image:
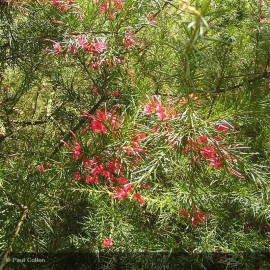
x=209 y=60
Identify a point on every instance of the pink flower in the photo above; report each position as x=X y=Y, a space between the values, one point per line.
x=155 y=106
x=154 y=23
x=99 y=47
x=83 y=42
x=105 y=7
x=57 y=47
x=107 y=242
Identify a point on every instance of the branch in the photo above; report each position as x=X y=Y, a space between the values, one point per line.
x=68 y=136
x=30 y=123
x=262 y=76
x=16 y=233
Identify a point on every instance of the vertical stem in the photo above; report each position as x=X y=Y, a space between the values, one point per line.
x=113 y=218
x=16 y=233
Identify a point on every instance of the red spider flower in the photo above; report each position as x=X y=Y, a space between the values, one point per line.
x=55 y=3
x=215 y=163
x=208 y=152
x=104 y=120
x=120 y=194
x=122 y=181
x=92 y=179
x=107 y=242
x=77 y=147
x=139 y=197
x=40 y=168
x=184 y=213
x=77 y=176
x=223 y=127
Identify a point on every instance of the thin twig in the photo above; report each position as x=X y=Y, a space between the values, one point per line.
x=68 y=136
x=16 y=233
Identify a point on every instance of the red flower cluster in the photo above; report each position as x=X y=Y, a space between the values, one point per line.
x=77 y=147
x=109 y=173
x=195 y=217
x=129 y=40
x=104 y=121
x=42 y=168
x=107 y=242
x=98 y=170
x=87 y=45
x=155 y=106
x=108 y=6
x=135 y=145
x=65 y=5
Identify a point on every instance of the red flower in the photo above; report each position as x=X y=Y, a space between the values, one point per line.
x=40 y=168
x=223 y=127
x=107 y=242
x=55 y=3
x=202 y=139
x=73 y=49
x=214 y=163
x=139 y=197
x=103 y=120
x=118 y=4
x=184 y=213
x=198 y=217
x=208 y=152
x=127 y=187
x=155 y=106
x=63 y=7
x=129 y=40
x=98 y=127
x=116 y=93
x=57 y=47
x=122 y=181
x=77 y=176
x=92 y=180
x=77 y=147
x=120 y=194
x=234 y=172
x=144 y=185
